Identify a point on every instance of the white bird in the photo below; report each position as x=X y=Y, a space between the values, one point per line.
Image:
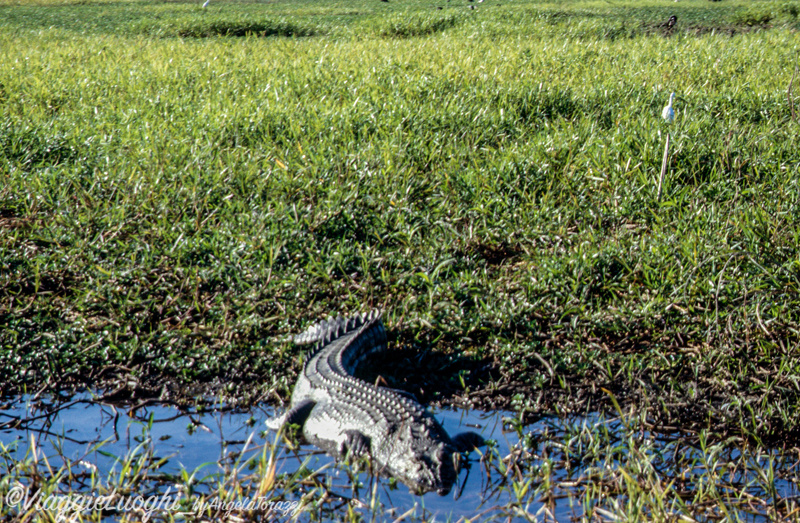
x=206 y=3
x=668 y=113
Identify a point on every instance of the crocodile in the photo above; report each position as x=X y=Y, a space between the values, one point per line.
x=346 y=416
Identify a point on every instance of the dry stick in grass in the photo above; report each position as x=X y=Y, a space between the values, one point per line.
x=667 y=114
x=789 y=93
x=663 y=169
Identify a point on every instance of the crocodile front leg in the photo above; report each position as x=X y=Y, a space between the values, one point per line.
x=297 y=415
x=355 y=444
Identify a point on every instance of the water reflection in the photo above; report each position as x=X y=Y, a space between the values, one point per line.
x=208 y=443
x=559 y=469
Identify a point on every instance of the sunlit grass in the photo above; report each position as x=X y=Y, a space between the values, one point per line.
x=201 y=157
x=170 y=204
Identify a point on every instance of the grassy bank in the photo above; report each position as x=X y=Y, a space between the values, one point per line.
x=177 y=196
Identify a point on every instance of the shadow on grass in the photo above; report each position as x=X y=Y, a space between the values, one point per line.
x=208 y=27
x=262 y=28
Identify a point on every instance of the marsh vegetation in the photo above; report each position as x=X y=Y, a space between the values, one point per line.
x=183 y=187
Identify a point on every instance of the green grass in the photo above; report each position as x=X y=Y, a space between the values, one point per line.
x=183 y=186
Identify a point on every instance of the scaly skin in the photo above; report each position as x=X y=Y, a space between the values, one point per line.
x=342 y=414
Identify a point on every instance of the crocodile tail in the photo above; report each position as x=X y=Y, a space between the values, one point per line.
x=326 y=330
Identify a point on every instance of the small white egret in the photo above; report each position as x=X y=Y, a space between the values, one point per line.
x=668 y=113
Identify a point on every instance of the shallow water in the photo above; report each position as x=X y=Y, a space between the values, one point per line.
x=209 y=444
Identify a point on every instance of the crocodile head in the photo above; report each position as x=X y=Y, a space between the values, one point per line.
x=428 y=470
x=426 y=462
x=441 y=471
